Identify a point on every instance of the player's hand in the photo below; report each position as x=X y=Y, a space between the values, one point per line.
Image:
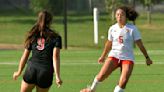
x=149 y=61
x=101 y=60
x=16 y=75
x=59 y=82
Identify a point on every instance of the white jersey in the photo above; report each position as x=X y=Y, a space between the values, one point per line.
x=122 y=41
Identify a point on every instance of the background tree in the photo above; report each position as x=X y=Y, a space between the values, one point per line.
x=38 y=5
x=148 y=4
x=55 y=6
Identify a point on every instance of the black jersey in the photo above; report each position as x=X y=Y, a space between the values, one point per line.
x=42 y=51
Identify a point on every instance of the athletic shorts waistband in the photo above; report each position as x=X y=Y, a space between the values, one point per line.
x=121 y=61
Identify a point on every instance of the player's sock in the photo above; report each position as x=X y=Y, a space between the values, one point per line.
x=94 y=84
x=118 y=89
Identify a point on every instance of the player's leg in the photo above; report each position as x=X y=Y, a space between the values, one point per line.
x=25 y=87
x=110 y=65
x=127 y=68
x=44 y=79
x=38 y=89
x=28 y=82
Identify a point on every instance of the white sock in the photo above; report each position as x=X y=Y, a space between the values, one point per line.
x=94 y=84
x=118 y=89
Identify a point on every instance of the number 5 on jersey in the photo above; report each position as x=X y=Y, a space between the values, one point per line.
x=120 y=39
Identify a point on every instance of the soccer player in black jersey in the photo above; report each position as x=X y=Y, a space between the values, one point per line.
x=45 y=46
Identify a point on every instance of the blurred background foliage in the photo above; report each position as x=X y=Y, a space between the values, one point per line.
x=18 y=16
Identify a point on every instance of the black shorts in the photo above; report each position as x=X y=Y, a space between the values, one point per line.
x=39 y=76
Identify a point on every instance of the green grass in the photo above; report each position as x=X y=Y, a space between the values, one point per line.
x=78 y=68
x=80 y=30
x=79 y=64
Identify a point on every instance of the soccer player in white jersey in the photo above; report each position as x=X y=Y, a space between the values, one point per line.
x=121 y=37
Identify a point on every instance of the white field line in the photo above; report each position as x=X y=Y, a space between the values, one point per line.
x=80 y=63
x=151 y=52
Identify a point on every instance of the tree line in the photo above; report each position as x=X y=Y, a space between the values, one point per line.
x=56 y=6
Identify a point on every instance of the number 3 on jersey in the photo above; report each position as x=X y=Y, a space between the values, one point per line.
x=120 y=39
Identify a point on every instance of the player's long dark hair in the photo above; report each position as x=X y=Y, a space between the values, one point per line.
x=41 y=29
x=131 y=14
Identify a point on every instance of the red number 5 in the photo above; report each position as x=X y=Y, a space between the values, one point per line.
x=120 y=39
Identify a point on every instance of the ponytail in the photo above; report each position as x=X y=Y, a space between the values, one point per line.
x=41 y=29
x=41 y=22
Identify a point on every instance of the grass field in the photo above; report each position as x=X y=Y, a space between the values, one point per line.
x=79 y=63
x=80 y=29
x=78 y=68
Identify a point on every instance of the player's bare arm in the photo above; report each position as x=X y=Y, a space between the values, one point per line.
x=22 y=63
x=143 y=50
x=56 y=59
x=107 y=47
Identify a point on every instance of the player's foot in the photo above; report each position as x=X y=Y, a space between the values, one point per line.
x=86 y=90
